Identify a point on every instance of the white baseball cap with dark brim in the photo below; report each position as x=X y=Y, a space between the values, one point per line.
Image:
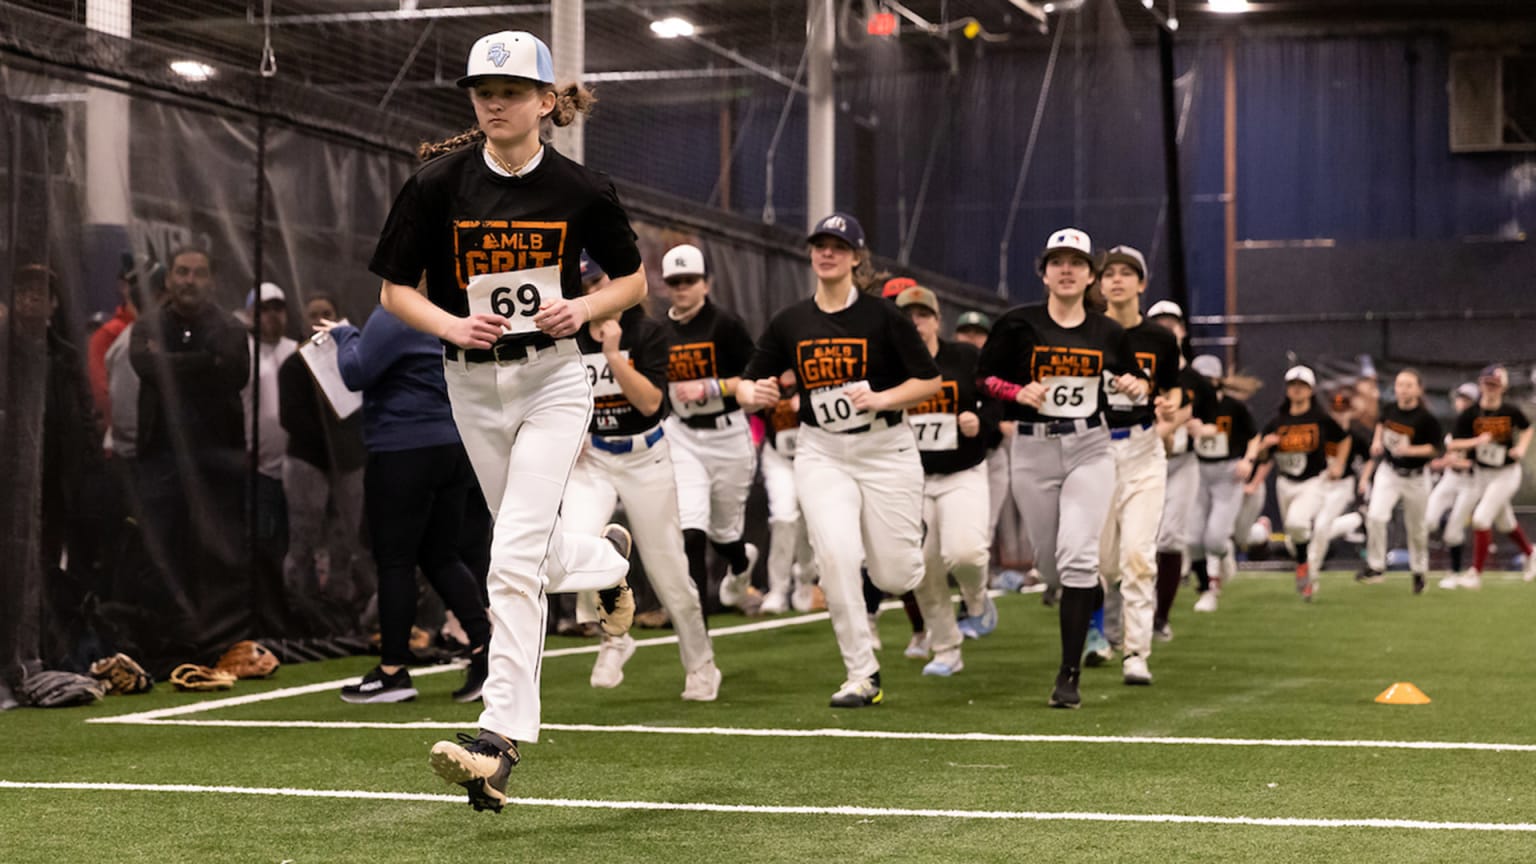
x=1166 y=308
x=1128 y=256
x=1069 y=240
x=1468 y=391
x=1302 y=374
x=1207 y=365
x=508 y=54
x=684 y=260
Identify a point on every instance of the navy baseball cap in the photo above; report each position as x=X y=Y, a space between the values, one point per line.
x=842 y=226
x=590 y=272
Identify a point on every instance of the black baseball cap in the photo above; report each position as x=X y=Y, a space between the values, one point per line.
x=842 y=226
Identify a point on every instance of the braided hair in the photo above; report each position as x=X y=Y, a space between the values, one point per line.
x=571 y=101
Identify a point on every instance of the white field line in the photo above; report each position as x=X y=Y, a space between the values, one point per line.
x=138 y=718
x=883 y=735
x=794 y=810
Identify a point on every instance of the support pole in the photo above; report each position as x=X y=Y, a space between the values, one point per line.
x=108 y=207
x=1178 y=280
x=821 y=116
x=568 y=29
x=1229 y=191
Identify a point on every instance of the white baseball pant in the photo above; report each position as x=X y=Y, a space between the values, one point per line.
x=955 y=542
x=523 y=425
x=788 y=542
x=1300 y=502
x=1248 y=513
x=1175 y=533
x=1128 y=546
x=1494 y=489
x=1217 y=508
x=1007 y=522
x=862 y=496
x=1387 y=488
x=1446 y=498
x=1338 y=497
x=642 y=480
x=714 y=474
x=1062 y=481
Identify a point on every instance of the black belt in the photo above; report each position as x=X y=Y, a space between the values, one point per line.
x=506 y=351
x=712 y=421
x=1056 y=428
x=1407 y=472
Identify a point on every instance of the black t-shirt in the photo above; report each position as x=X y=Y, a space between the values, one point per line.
x=870 y=340
x=1401 y=428
x=1157 y=354
x=1028 y=345
x=645 y=346
x=712 y=344
x=1306 y=439
x=1234 y=429
x=1359 y=449
x=1503 y=424
x=1199 y=395
x=456 y=219
x=943 y=447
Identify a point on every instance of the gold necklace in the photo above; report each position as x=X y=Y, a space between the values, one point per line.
x=502 y=163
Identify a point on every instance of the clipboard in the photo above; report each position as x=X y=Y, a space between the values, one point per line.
x=319 y=353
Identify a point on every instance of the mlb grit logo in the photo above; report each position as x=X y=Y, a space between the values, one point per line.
x=498 y=54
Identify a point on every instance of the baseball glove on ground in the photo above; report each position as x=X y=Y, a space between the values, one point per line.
x=58 y=689
x=248 y=660
x=122 y=675
x=190 y=676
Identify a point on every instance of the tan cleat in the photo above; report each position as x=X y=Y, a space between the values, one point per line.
x=479 y=764
x=616 y=605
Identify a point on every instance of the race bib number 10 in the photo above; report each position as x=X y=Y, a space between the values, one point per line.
x=698 y=407
x=935 y=432
x=1070 y=397
x=515 y=296
x=834 y=409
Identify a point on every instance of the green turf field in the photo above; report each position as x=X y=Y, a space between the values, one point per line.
x=1265 y=669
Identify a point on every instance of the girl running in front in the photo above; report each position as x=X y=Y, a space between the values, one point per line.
x=859 y=364
x=494 y=227
x=1496 y=435
x=1048 y=362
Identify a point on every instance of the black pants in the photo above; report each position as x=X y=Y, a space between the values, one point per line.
x=416 y=502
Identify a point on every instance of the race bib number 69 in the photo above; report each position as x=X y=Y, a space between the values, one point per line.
x=515 y=296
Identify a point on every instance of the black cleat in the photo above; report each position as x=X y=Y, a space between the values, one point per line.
x=1064 y=694
x=1369 y=576
x=1418 y=583
x=474 y=678
x=479 y=764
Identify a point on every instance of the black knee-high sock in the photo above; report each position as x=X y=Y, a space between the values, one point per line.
x=914 y=614
x=696 y=545
x=872 y=595
x=1076 y=611
x=734 y=553
x=1456 y=553
x=1168 y=566
x=1301 y=552
x=1202 y=574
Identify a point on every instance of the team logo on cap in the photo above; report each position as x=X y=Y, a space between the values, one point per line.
x=834 y=223
x=498 y=54
x=680 y=261
x=1070 y=238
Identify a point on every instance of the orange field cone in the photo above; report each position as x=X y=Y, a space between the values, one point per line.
x=1402 y=693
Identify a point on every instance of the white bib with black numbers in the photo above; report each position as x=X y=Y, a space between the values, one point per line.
x=1118 y=400
x=1491 y=454
x=515 y=296
x=834 y=410
x=698 y=407
x=935 y=432
x=1180 y=443
x=1070 y=397
x=784 y=442
x=1391 y=441
x=1216 y=446
x=600 y=374
x=1291 y=464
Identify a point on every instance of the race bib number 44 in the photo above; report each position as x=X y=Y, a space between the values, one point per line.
x=515 y=296
x=833 y=407
x=935 y=432
x=1070 y=398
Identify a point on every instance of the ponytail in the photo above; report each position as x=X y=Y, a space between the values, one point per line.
x=431 y=150
x=865 y=276
x=571 y=100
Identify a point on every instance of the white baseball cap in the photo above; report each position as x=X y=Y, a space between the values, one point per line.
x=1165 y=307
x=1302 y=374
x=270 y=291
x=1069 y=240
x=1468 y=391
x=1127 y=255
x=1207 y=365
x=684 y=260
x=508 y=54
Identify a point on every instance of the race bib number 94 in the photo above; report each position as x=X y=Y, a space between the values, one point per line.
x=834 y=409
x=515 y=296
x=935 y=432
x=600 y=375
x=1070 y=398
x=1115 y=398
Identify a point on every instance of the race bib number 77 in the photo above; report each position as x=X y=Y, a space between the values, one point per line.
x=515 y=296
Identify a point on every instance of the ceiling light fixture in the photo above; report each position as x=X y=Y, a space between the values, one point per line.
x=671 y=28
x=192 y=70
x=1230 y=6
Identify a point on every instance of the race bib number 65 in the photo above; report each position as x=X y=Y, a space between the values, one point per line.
x=1070 y=397
x=515 y=296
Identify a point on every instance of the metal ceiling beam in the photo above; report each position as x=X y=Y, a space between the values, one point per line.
x=384 y=16
x=620 y=76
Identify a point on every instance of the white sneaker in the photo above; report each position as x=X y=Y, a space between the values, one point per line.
x=917 y=649
x=608 y=671
x=1450 y=582
x=1134 y=670
x=703 y=684
x=1470 y=580
x=945 y=664
x=1530 y=569
x=733 y=588
x=1228 y=568
x=874 y=634
x=774 y=603
x=1207 y=601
